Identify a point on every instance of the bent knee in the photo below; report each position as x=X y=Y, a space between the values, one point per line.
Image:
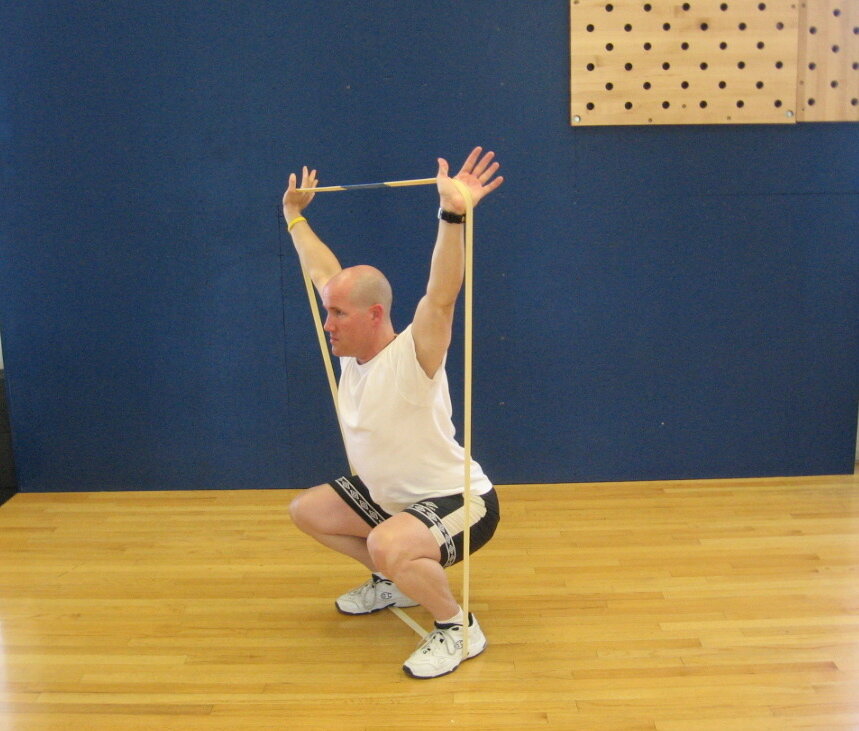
x=384 y=550
x=320 y=510
x=394 y=543
x=306 y=507
x=297 y=512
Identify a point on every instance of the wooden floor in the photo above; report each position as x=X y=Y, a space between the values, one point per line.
x=676 y=605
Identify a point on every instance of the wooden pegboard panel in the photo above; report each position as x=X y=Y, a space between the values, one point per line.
x=698 y=62
x=828 y=61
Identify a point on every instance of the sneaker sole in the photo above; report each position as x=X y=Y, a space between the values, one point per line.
x=373 y=611
x=441 y=675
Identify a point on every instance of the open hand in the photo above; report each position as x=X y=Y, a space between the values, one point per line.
x=477 y=172
x=294 y=202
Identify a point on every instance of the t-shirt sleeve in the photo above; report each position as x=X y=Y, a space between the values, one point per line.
x=412 y=381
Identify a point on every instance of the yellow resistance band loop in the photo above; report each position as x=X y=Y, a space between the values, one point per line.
x=466 y=401
x=467 y=354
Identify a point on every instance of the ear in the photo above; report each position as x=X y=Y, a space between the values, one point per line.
x=377 y=312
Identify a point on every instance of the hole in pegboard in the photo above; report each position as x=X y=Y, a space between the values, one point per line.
x=667 y=61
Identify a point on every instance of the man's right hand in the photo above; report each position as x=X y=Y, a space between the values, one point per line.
x=294 y=202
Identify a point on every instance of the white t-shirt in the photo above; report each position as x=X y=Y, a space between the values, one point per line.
x=398 y=431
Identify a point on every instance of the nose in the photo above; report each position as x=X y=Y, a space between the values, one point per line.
x=328 y=327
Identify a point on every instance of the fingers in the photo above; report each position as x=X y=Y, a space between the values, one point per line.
x=480 y=168
x=493 y=184
x=488 y=173
x=296 y=199
x=475 y=164
x=308 y=178
x=471 y=160
x=443 y=168
x=479 y=165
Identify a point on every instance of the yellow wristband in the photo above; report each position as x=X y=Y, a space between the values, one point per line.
x=292 y=223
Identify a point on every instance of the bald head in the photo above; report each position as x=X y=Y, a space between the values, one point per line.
x=366 y=286
x=358 y=303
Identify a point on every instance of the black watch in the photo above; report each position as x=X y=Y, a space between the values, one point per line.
x=444 y=215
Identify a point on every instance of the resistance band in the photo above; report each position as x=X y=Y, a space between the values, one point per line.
x=467 y=358
x=466 y=406
x=369 y=186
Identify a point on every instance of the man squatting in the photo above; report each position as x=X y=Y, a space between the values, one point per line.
x=401 y=514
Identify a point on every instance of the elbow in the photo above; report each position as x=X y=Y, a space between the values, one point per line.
x=441 y=301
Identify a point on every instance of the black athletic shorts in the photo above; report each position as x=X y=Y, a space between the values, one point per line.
x=444 y=516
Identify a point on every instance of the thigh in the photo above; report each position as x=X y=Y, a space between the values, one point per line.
x=325 y=511
x=444 y=518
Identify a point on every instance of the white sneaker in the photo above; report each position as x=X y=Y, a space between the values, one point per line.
x=373 y=595
x=441 y=650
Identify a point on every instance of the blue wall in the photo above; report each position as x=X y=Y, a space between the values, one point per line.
x=661 y=302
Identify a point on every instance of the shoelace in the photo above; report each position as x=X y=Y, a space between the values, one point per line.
x=442 y=636
x=366 y=594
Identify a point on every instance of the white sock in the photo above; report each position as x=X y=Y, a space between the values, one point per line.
x=458 y=618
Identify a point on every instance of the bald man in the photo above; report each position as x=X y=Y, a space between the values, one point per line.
x=401 y=514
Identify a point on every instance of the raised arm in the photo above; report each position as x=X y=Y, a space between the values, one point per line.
x=316 y=258
x=433 y=322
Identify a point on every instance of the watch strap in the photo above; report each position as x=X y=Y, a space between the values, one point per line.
x=449 y=217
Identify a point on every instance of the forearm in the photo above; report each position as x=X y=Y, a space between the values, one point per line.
x=448 y=265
